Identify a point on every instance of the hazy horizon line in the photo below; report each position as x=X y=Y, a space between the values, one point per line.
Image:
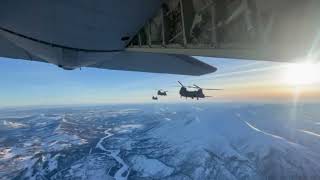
x=48 y=106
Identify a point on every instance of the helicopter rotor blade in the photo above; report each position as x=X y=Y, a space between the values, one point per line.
x=214 y=89
x=180 y=83
x=197 y=86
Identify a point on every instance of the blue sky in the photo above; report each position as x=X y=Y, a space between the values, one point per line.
x=33 y=83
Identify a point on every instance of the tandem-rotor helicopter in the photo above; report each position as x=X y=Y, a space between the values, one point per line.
x=198 y=93
x=184 y=92
x=159 y=93
x=162 y=92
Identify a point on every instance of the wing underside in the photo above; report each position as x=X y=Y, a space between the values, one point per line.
x=156 y=63
x=17 y=47
x=158 y=36
x=10 y=50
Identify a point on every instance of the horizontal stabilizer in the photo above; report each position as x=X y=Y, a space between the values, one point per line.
x=19 y=47
x=155 y=63
x=10 y=50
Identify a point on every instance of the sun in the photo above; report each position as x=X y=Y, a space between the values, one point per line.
x=302 y=74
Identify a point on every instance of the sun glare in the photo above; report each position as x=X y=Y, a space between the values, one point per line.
x=302 y=74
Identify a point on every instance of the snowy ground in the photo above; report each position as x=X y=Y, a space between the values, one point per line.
x=208 y=141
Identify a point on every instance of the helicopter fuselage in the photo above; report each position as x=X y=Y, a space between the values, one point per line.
x=162 y=93
x=184 y=92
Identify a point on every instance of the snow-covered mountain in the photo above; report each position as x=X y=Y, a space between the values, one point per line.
x=239 y=150
x=208 y=141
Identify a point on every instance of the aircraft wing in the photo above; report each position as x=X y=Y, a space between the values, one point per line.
x=152 y=62
x=17 y=47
